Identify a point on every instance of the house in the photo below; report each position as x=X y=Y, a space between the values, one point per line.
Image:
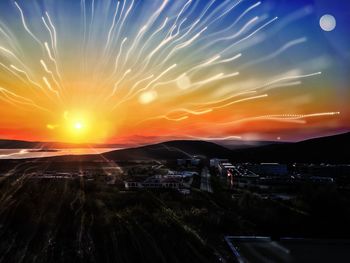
x=268 y=168
x=216 y=161
x=155 y=182
x=188 y=162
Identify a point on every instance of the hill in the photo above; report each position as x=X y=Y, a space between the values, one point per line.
x=330 y=149
x=244 y=144
x=18 y=144
x=170 y=150
x=162 y=151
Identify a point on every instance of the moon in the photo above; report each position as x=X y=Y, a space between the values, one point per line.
x=328 y=22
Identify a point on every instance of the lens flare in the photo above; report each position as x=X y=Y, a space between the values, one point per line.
x=103 y=70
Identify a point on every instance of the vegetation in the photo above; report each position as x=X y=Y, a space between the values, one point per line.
x=87 y=220
x=80 y=221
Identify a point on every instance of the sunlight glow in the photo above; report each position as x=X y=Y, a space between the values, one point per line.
x=78 y=125
x=183 y=68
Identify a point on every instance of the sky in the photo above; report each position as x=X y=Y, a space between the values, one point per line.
x=145 y=71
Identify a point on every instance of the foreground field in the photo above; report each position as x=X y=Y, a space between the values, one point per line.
x=86 y=219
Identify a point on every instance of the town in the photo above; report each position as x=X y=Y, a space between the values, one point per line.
x=227 y=203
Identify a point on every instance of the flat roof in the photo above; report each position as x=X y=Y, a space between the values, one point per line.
x=264 y=249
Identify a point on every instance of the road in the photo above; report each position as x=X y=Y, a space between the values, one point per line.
x=205 y=180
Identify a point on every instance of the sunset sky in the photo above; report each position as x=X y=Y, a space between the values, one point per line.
x=152 y=70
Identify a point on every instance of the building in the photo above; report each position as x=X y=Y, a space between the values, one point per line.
x=182 y=174
x=155 y=182
x=321 y=180
x=322 y=169
x=287 y=249
x=188 y=162
x=225 y=169
x=268 y=168
x=216 y=161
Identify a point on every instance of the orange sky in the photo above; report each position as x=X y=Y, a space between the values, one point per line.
x=186 y=114
x=151 y=80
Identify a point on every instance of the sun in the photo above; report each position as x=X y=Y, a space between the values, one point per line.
x=78 y=129
x=78 y=125
x=81 y=126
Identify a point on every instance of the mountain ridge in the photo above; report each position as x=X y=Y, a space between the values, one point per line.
x=329 y=149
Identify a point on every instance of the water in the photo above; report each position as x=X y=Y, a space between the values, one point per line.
x=37 y=153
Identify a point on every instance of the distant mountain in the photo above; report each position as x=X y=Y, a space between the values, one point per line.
x=17 y=144
x=244 y=144
x=330 y=149
x=171 y=150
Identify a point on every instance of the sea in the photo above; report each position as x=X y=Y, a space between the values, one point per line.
x=38 y=153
